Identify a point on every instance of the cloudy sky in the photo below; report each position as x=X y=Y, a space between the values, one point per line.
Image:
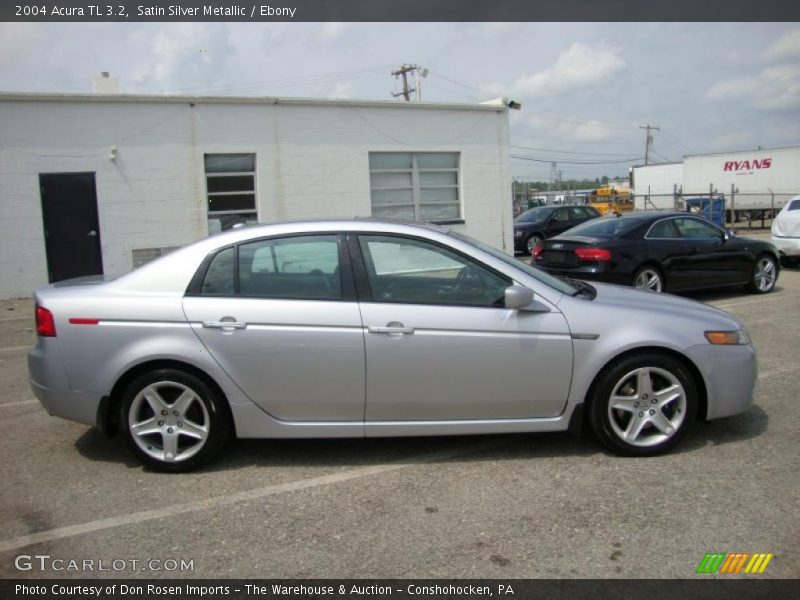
x=585 y=88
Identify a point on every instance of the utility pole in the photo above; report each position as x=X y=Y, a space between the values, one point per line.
x=403 y=72
x=648 y=141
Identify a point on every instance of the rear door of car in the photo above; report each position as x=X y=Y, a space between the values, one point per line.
x=440 y=345
x=664 y=245
x=280 y=316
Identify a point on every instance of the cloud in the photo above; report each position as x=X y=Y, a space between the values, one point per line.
x=786 y=47
x=774 y=88
x=578 y=66
x=591 y=131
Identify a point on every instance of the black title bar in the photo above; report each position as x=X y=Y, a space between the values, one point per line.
x=401 y=589
x=399 y=10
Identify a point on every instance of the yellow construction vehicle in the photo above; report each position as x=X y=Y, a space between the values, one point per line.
x=607 y=199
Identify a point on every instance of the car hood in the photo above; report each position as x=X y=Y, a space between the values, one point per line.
x=662 y=306
x=787 y=224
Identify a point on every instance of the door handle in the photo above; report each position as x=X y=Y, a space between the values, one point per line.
x=392 y=328
x=224 y=325
x=92 y=233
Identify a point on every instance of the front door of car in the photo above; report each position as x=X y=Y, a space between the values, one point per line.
x=710 y=259
x=280 y=317
x=441 y=345
x=558 y=222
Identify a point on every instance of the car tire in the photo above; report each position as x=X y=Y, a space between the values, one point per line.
x=530 y=242
x=173 y=420
x=643 y=405
x=764 y=275
x=789 y=261
x=649 y=278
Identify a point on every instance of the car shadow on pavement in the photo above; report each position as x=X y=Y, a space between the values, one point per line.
x=359 y=452
x=97 y=446
x=745 y=426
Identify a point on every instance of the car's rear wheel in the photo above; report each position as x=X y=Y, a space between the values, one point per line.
x=764 y=276
x=172 y=420
x=644 y=405
x=649 y=278
x=531 y=242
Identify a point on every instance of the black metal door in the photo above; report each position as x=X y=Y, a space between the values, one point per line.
x=71 y=232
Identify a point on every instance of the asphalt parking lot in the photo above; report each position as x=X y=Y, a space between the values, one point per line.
x=530 y=506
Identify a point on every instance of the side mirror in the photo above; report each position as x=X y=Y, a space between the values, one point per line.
x=518 y=296
x=728 y=234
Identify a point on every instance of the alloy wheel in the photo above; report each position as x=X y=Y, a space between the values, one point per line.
x=765 y=274
x=647 y=406
x=168 y=421
x=649 y=279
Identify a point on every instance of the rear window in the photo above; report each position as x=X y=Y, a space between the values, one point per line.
x=606 y=227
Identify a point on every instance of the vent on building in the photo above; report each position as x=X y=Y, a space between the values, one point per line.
x=142 y=256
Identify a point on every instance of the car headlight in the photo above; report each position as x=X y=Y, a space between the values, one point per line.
x=727 y=338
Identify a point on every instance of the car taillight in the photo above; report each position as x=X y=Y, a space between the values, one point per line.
x=45 y=324
x=593 y=254
x=537 y=250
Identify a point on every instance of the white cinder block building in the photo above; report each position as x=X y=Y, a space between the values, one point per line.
x=100 y=183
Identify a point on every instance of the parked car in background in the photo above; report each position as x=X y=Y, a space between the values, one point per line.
x=370 y=329
x=659 y=251
x=786 y=232
x=543 y=222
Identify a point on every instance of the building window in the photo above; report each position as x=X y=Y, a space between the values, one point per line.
x=231 y=189
x=419 y=186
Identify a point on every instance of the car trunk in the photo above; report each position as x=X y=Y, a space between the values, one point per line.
x=559 y=252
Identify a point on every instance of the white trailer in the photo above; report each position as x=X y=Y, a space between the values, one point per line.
x=750 y=180
x=655 y=186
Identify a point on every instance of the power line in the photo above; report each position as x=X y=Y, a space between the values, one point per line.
x=567 y=151
x=284 y=82
x=578 y=162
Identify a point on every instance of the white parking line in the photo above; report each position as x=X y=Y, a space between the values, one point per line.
x=746 y=302
x=218 y=501
x=778 y=371
x=15 y=348
x=16 y=319
x=20 y=403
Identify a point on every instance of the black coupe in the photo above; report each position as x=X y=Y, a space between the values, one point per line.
x=659 y=251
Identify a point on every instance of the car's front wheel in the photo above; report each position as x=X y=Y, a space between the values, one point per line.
x=644 y=405
x=649 y=278
x=764 y=276
x=172 y=420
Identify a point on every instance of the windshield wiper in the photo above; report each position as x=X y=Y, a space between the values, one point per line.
x=581 y=287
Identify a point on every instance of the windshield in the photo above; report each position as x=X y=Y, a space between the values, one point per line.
x=605 y=227
x=540 y=213
x=553 y=282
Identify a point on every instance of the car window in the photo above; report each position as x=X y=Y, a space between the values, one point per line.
x=696 y=229
x=580 y=212
x=664 y=230
x=219 y=275
x=411 y=271
x=561 y=215
x=793 y=205
x=302 y=267
x=606 y=227
x=533 y=215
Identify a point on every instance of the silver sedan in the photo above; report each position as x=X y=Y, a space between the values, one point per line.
x=368 y=329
